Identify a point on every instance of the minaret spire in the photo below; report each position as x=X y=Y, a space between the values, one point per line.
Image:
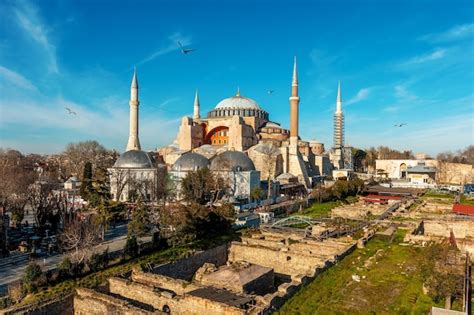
x=197 y=106
x=238 y=91
x=133 y=141
x=339 y=99
x=338 y=120
x=294 y=107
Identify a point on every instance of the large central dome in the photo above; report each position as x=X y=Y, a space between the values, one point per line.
x=238 y=105
x=238 y=102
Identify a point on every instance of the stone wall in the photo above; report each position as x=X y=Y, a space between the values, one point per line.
x=178 y=286
x=186 y=268
x=59 y=306
x=284 y=262
x=88 y=302
x=461 y=229
x=141 y=292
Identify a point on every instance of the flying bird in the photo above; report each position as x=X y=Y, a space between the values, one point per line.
x=270 y=92
x=70 y=111
x=399 y=125
x=185 y=50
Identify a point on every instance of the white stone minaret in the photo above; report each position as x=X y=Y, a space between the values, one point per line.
x=338 y=121
x=196 y=114
x=133 y=141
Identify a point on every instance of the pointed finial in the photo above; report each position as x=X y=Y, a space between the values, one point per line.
x=134 y=79
x=196 y=98
x=238 y=91
x=339 y=98
x=295 y=74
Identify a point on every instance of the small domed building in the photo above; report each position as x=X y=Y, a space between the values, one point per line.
x=238 y=171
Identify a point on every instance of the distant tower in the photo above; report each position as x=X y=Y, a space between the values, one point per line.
x=196 y=114
x=338 y=121
x=133 y=141
x=294 y=104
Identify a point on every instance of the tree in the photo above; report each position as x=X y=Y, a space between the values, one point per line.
x=359 y=157
x=131 y=246
x=31 y=277
x=86 y=185
x=442 y=271
x=270 y=154
x=77 y=154
x=79 y=237
x=198 y=186
x=256 y=193
x=140 y=224
x=102 y=218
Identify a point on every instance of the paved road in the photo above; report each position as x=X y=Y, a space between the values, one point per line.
x=115 y=241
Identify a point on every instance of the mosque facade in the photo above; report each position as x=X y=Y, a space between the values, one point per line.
x=236 y=140
x=239 y=123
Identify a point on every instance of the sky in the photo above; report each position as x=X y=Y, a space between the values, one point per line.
x=398 y=62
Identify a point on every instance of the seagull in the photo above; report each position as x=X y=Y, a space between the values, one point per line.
x=270 y=92
x=70 y=111
x=185 y=50
x=399 y=125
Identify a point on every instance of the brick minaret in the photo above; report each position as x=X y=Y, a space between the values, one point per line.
x=294 y=104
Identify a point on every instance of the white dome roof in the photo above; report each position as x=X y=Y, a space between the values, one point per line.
x=238 y=102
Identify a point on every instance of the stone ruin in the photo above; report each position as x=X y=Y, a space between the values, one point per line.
x=253 y=276
x=358 y=211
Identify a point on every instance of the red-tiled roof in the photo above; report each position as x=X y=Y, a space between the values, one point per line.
x=381 y=197
x=463 y=209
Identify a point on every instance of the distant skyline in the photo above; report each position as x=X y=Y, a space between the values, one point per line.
x=398 y=61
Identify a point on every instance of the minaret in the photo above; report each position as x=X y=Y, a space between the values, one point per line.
x=133 y=141
x=294 y=104
x=338 y=120
x=196 y=114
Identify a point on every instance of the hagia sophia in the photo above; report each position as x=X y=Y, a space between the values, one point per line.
x=238 y=141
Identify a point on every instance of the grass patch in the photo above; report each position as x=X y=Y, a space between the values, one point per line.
x=467 y=200
x=433 y=194
x=390 y=283
x=321 y=209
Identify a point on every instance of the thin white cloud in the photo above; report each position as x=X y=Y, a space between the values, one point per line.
x=29 y=20
x=455 y=33
x=402 y=93
x=391 y=109
x=360 y=96
x=438 y=53
x=171 y=46
x=16 y=79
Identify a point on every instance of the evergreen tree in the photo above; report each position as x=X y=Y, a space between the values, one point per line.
x=86 y=185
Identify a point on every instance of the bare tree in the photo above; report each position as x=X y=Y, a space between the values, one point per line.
x=79 y=238
x=270 y=154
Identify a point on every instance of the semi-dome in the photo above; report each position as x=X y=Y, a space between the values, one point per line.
x=232 y=161
x=134 y=159
x=190 y=162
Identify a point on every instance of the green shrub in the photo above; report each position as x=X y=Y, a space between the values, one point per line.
x=131 y=247
x=31 y=277
x=98 y=261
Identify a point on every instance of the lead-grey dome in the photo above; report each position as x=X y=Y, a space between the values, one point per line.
x=134 y=159
x=232 y=161
x=190 y=162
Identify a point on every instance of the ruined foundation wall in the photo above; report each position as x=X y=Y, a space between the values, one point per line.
x=282 y=262
x=461 y=229
x=139 y=292
x=193 y=305
x=186 y=268
x=59 y=306
x=156 y=280
x=88 y=302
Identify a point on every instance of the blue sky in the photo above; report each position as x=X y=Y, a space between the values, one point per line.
x=398 y=61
